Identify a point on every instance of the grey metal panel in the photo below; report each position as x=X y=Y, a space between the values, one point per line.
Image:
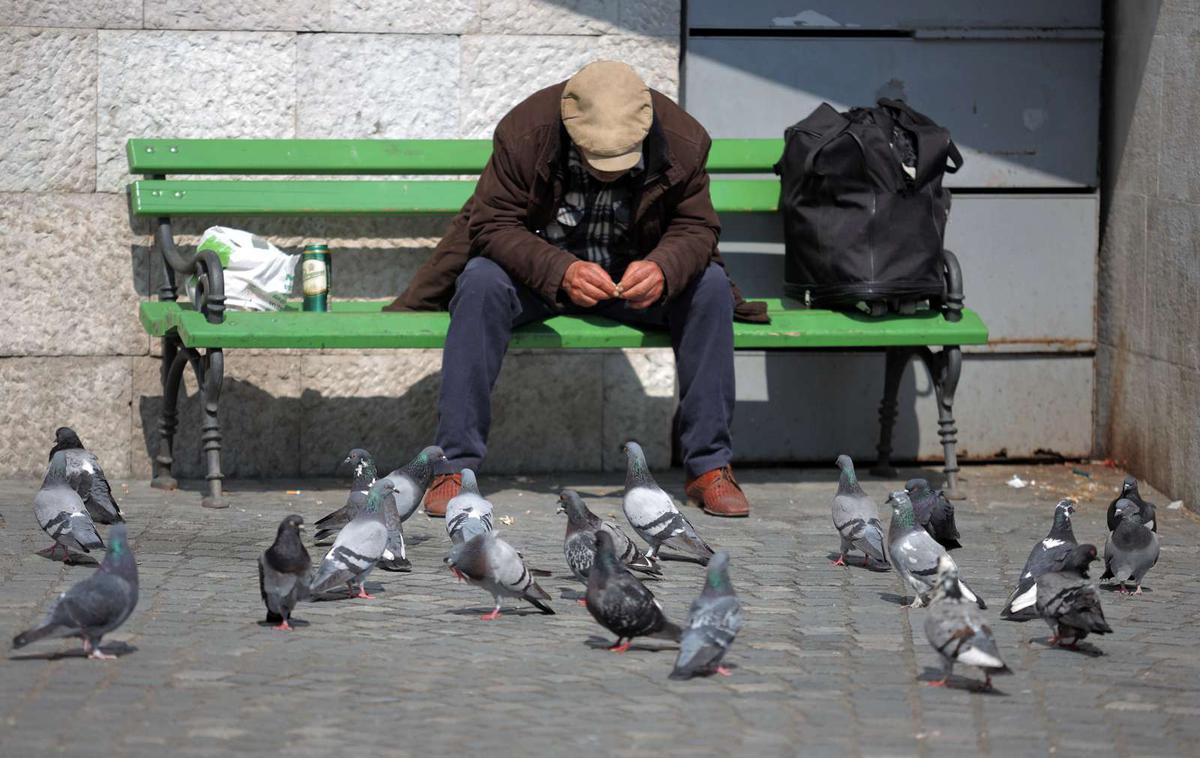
x=891 y=14
x=813 y=406
x=1024 y=112
x=1029 y=265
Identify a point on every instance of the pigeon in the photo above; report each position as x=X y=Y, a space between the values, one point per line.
x=1132 y=548
x=410 y=482
x=914 y=554
x=653 y=514
x=468 y=515
x=713 y=621
x=489 y=562
x=364 y=477
x=87 y=478
x=1068 y=601
x=856 y=517
x=579 y=544
x=1049 y=554
x=61 y=513
x=957 y=631
x=934 y=512
x=1129 y=491
x=357 y=548
x=283 y=572
x=95 y=606
x=621 y=603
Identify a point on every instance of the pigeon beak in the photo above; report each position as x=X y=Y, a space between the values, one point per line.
x=561 y=509
x=301 y=527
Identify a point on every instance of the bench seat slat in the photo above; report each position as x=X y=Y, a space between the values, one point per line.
x=349 y=156
x=362 y=325
x=304 y=197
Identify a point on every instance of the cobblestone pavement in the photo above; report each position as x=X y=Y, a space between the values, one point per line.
x=828 y=662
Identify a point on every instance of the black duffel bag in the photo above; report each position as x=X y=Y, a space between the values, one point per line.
x=864 y=210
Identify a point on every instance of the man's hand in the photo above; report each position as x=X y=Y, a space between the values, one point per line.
x=587 y=283
x=642 y=284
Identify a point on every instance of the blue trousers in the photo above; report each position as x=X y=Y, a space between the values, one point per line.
x=488 y=305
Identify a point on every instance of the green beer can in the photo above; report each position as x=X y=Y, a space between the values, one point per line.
x=315 y=270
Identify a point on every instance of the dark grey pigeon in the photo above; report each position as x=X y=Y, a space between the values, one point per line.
x=283 y=572
x=1048 y=554
x=468 y=514
x=358 y=547
x=579 y=544
x=489 y=562
x=1129 y=491
x=1131 y=550
x=364 y=476
x=713 y=621
x=856 y=518
x=621 y=603
x=86 y=477
x=934 y=512
x=1068 y=601
x=95 y=606
x=61 y=513
x=652 y=512
x=915 y=555
x=410 y=482
x=957 y=631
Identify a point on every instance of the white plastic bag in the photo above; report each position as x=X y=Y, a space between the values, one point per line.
x=258 y=276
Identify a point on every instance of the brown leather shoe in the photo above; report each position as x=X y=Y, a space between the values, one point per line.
x=441 y=489
x=718 y=493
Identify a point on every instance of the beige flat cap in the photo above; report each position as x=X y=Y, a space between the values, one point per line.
x=607 y=111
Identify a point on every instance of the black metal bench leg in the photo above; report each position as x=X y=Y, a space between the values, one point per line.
x=945 y=368
x=210 y=379
x=897 y=362
x=170 y=372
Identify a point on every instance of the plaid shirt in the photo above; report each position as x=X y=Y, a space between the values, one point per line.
x=593 y=221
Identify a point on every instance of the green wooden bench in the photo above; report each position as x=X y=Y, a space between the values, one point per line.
x=197 y=334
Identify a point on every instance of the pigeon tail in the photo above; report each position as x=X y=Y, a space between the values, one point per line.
x=34 y=634
x=537 y=603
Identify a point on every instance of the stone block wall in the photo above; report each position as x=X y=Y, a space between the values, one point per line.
x=78 y=79
x=1148 y=363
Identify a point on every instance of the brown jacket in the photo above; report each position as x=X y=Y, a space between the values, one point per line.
x=521 y=188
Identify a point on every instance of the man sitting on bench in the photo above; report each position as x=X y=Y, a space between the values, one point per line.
x=595 y=201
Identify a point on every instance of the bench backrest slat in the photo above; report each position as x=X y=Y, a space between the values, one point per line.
x=173 y=157
x=333 y=197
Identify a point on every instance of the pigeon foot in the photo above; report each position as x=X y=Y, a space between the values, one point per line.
x=363 y=594
x=937 y=683
x=619 y=647
x=94 y=653
x=1138 y=591
x=987 y=682
x=724 y=671
x=283 y=627
x=495 y=614
x=582 y=601
x=841 y=561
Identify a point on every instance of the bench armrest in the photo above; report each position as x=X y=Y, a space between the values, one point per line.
x=952 y=299
x=204 y=265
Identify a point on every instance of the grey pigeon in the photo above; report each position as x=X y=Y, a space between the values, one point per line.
x=358 y=547
x=652 y=512
x=914 y=554
x=468 y=514
x=621 y=603
x=489 y=562
x=1129 y=491
x=95 y=606
x=410 y=482
x=1131 y=550
x=283 y=572
x=855 y=517
x=713 y=621
x=364 y=476
x=1068 y=601
x=579 y=543
x=86 y=477
x=934 y=512
x=957 y=631
x=1049 y=554
x=61 y=513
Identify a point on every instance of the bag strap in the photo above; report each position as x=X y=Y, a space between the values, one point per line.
x=936 y=150
x=811 y=159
